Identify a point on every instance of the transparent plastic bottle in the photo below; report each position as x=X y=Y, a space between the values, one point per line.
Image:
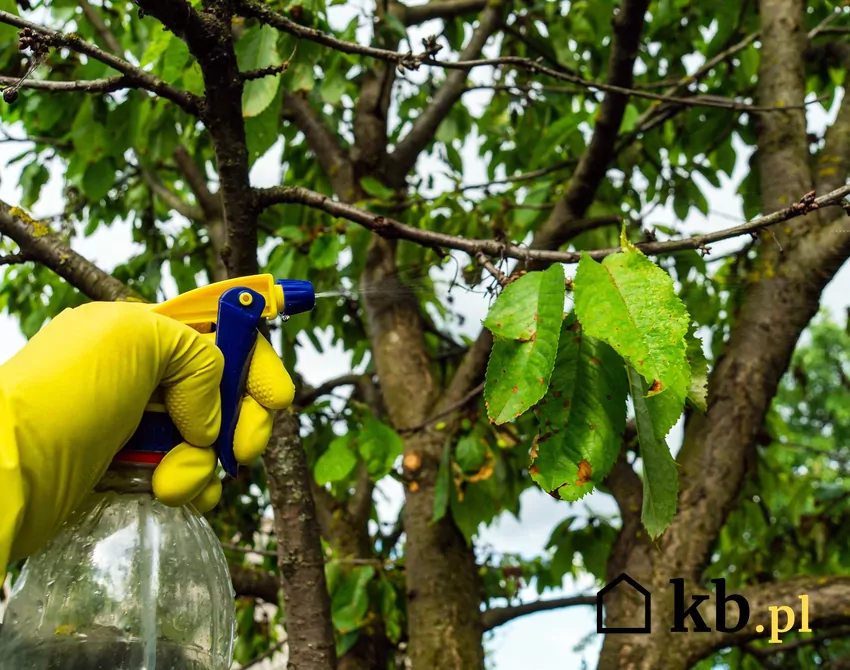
x=126 y=584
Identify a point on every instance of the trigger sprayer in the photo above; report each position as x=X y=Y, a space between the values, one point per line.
x=128 y=583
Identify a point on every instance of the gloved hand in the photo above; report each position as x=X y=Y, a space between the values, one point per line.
x=74 y=395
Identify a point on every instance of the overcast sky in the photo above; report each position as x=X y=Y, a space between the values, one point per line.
x=544 y=641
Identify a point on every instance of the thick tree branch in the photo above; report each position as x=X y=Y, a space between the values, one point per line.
x=38 y=244
x=300 y=559
x=210 y=205
x=392 y=229
x=209 y=39
x=310 y=395
x=170 y=198
x=764 y=652
x=104 y=85
x=324 y=143
x=441 y=9
x=498 y=616
x=829 y=606
x=185 y=100
x=253 y=583
x=628 y=28
x=208 y=201
x=402 y=160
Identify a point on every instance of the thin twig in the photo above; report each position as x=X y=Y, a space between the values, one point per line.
x=446 y=412
x=487 y=264
x=412 y=62
x=392 y=229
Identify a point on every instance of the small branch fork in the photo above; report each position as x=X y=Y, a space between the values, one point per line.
x=392 y=229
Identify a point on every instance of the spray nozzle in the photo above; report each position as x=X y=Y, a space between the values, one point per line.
x=298 y=296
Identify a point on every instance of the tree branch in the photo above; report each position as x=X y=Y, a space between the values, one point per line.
x=299 y=549
x=829 y=606
x=105 y=85
x=185 y=100
x=13 y=259
x=38 y=244
x=252 y=583
x=309 y=395
x=441 y=9
x=209 y=39
x=628 y=27
x=498 y=616
x=402 y=160
x=764 y=652
x=392 y=229
x=209 y=202
x=170 y=198
x=108 y=37
x=324 y=143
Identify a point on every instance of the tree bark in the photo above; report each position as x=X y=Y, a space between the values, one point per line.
x=782 y=295
x=302 y=567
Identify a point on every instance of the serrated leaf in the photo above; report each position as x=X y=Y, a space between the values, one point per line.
x=517 y=312
x=630 y=303
x=698 y=386
x=257 y=50
x=582 y=417
x=654 y=417
x=336 y=463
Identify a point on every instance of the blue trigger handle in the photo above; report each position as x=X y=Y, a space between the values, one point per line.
x=239 y=312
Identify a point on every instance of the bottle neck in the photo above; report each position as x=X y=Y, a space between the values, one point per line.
x=127 y=478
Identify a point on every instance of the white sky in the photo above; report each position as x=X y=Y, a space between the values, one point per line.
x=543 y=641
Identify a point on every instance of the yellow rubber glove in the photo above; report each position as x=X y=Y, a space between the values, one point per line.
x=75 y=394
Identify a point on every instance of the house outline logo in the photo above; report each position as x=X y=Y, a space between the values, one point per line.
x=647 y=607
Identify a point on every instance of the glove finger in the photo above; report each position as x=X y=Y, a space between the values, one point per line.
x=191 y=381
x=209 y=497
x=268 y=381
x=253 y=430
x=183 y=474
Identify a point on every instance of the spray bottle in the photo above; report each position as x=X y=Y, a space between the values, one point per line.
x=128 y=583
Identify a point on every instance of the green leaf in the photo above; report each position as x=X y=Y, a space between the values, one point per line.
x=395 y=25
x=519 y=369
x=157 y=46
x=98 y=179
x=261 y=132
x=526 y=303
x=336 y=463
x=444 y=484
x=654 y=417
x=698 y=386
x=33 y=177
x=350 y=602
x=630 y=303
x=257 y=50
x=582 y=417
x=376 y=189
x=470 y=453
x=379 y=446
x=324 y=251
x=8 y=34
